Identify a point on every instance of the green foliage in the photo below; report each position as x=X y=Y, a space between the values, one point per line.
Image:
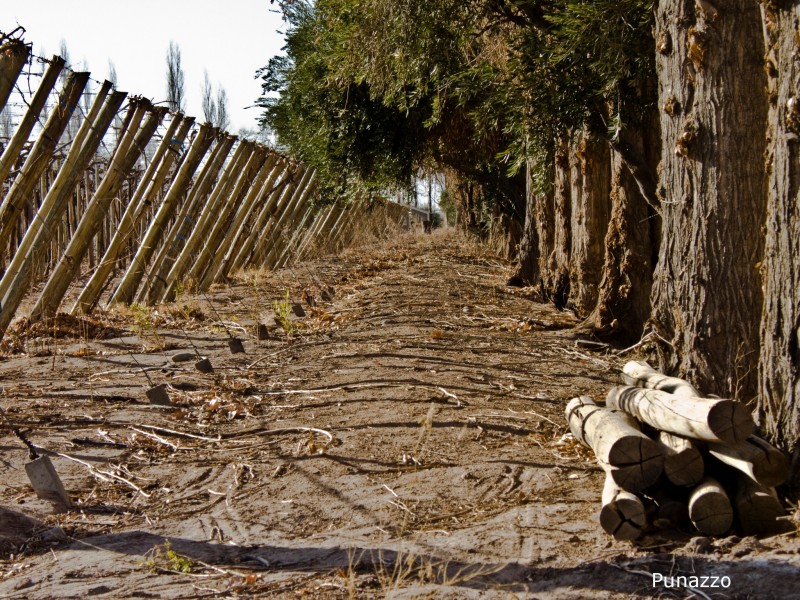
x=372 y=91
x=165 y=558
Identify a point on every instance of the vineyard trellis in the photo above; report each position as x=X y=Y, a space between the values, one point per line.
x=127 y=202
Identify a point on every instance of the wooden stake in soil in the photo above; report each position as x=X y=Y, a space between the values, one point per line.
x=710 y=508
x=697 y=418
x=683 y=463
x=756 y=458
x=623 y=514
x=635 y=461
x=639 y=374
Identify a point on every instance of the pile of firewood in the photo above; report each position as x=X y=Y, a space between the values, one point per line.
x=674 y=459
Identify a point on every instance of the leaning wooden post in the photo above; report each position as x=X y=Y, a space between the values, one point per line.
x=18 y=277
x=33 y=170
x=250 y=176
x=276 y=199
x=297 y=228
x=210 y=211
x=326 y=237
x=183 y=179
x=13 y=56
x=151 y=182
x=317 y=226
x=226 y=238
x=266 y=248
x=181 y=228
x=240 y=233
x=23 y=131
x=293 y=225
x=128 y=151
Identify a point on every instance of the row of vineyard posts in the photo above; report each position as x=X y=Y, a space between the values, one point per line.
x=130 y=225
x=685 y=229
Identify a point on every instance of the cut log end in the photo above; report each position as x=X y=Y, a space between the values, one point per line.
x=710 y=508
x=623 y=515
x=731 y=421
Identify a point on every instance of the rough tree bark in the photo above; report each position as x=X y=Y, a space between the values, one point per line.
x=555 y=271
x=590 y=170
x=706 y=293
x=779 y=368
x=623 y=303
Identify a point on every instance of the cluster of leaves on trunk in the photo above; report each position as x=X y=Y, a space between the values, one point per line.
x=371 y=91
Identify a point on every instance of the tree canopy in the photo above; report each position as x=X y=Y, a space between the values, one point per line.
x=371 y=91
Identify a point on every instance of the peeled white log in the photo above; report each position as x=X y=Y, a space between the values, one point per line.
x=639 y=374
x=756 y=458
x=683 y=463
x=710 y=508
x=758 y=508
x=634 y=460
x=709 y=419
x=623 y=514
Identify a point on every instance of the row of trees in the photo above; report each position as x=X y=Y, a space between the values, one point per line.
x=215 y=108
x=646 y=150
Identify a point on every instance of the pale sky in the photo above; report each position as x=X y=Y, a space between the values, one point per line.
x=231 y=39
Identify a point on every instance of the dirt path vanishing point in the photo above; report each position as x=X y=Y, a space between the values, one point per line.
x=405 y=441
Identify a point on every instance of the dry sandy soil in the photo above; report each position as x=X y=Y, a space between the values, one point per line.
x=406 y=440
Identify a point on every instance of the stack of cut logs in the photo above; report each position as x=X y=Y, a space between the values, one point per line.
x=697 y=460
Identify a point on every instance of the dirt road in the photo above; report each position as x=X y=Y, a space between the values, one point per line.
x=404 y=439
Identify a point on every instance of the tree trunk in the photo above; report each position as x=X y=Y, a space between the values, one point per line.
x=590 y=168
x=779 y=368
x=555 y=275
x=623 y=303
x=527 y=272
x=706 y=293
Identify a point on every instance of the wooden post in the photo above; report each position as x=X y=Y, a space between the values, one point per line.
x=639 y=374
x=17 y=278
x=710 y=508
x=184 y=222
x=33 y=170
x=633 y=459
x=266 y=249
x=128 y=151
x=756 y=458
x=210 y=212
x=13 y=56
x=286 y=233
x=259 y=162
x=276 y=199
x=623 y=514
x=697 y=418
x=259 y=190
x=183 y=178
x=309 y=240
x=683 y=463
x=301 y=231
x=145 y=193
x=23 y=131
x=329 y=229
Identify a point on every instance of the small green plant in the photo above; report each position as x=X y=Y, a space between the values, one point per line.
x=144 y=323
x=164 y=558
x=283 y=309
